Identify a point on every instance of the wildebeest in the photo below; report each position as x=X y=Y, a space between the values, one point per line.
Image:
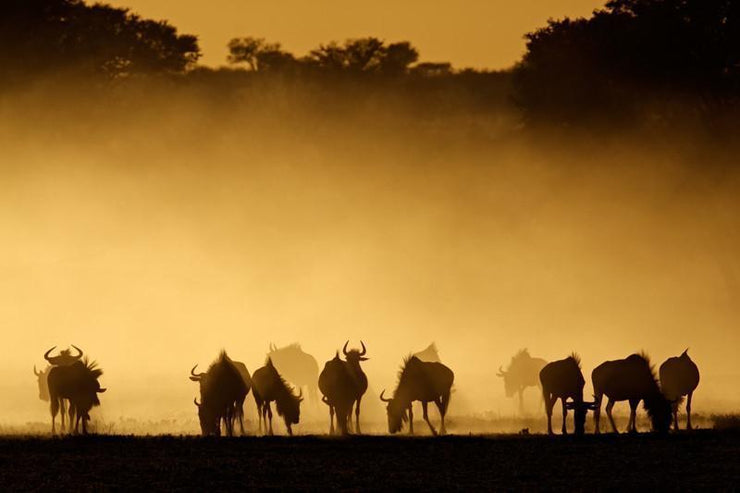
x=268 y=386
x=41 y=377
x=64 y=358
x=523 y=372
x=679 y=377
x=222 y=392
x=419 y=381
x=78 y=383
x=631 y=379
x=429 y=354
x=297 y=367
x=359 y=379
x=336 y=383
x=563 y=380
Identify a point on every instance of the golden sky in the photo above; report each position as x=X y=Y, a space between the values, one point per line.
x=468 y=33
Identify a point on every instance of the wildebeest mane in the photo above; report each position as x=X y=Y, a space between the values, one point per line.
x=404 y=368
x=91 y=367
x=577 y=358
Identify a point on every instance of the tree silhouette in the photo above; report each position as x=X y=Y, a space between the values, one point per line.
x=51 y=35
x=259 y=55
x=630 y=56
x=368 y=55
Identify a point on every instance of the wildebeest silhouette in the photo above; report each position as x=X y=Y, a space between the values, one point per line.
x=64 y=358
x=222 y=392
x=523 y=372
x=631 y=379
x=336 y=383
x=359 y=379
x=78 y=383
x=419 y=381
x=41 y=379
x=679 y=376
x=297 y=367
x=268 y=386
x=429 y=354
x=563 y=380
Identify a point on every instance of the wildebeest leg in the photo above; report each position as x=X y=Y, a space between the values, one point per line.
x=688 y=412
x=597 y=412
x=633 y=415
x=549 y=403
x=411 y=420
x=269 y=414
x=564 y=430
x=609 y=406
x=331 y=420
x=63 y=410
x=54 y=408
x=442 y=407
x=521 y=401
x=357 y=415
x=426 y=417
x=674 y=411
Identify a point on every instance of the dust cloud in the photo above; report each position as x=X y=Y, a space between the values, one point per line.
x=154 y=227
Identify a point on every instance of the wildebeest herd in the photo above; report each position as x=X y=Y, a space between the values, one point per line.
x=70 y=384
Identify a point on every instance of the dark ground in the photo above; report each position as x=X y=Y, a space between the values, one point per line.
x=699 y=460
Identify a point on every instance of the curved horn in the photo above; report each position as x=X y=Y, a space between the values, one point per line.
x=195 y=401
x=100 y=391
x=273 y=347
x=501 y=372
x=79 y=351
x=300 y=394
x=363 y=349
x=37 y=373
x=344 y=349
x=196 y=375
x=384 y=399
x=46 y=354
x=686 y=352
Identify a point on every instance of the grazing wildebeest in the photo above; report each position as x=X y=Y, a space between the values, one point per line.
x=679 y=377
x=336 y=383
x=419 y=381
x=222 y=393
x=429 y=354
x=297 y=367
x=78 y=383
x=631 y=379
x=268 y=386
x=523 y=372
x=359 y=379
x=563 y=380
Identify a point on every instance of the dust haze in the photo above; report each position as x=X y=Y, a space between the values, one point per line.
x=156 y=226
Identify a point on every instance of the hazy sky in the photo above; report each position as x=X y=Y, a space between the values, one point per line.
x=474 y=33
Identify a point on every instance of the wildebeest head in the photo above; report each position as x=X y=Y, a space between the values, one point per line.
x=354 y=356
x=65 y=357
x=41 y=377
x=580 y=411
x=290 y=409
x=396 y=413
x=509 y=386
x=209 y=419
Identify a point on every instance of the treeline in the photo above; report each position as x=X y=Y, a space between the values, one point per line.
x=633 y=62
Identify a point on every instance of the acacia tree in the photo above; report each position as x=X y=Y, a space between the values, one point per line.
x=39 y=36
x=368 y=55
x=259 y=55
